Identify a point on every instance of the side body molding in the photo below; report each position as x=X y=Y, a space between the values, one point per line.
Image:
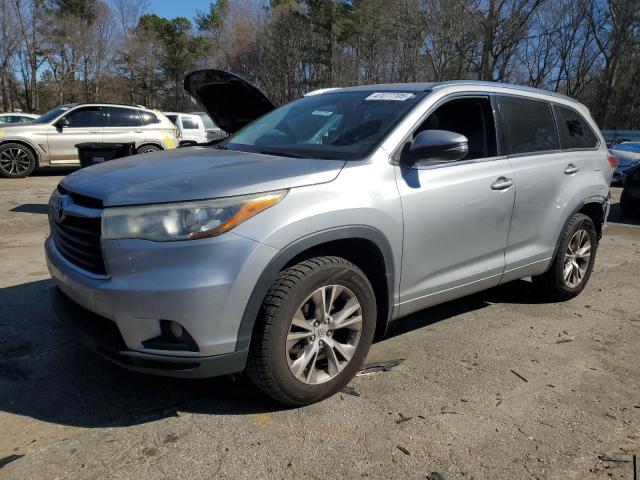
x=297 y=247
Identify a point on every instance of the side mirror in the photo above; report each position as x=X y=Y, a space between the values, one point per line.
x=435 y=146
x=62 y=123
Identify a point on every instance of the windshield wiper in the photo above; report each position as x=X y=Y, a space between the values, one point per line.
x=281 y=154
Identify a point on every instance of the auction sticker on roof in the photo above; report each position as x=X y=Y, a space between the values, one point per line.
x=393 y=96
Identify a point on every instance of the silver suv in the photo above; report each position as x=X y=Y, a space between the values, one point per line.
x=283 y=249
x=51 y=139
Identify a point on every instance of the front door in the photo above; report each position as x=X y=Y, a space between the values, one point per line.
x=456 y=215
x=85 y=124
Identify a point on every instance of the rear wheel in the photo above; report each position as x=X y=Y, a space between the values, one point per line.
x=148 y=149
x=573 y=263
x=314 y=331
x=16 y=161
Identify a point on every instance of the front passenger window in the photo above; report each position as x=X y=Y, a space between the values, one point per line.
x=471 y=117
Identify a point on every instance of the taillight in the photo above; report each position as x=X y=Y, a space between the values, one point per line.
x=613 y=160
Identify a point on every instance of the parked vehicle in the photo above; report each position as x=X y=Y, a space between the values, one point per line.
x=630 y=197
x=191 y=129
x=51 y=139
x=16 y=117
x=284 y=248
x=628 y=154
x=213 y=131
x=613 y=137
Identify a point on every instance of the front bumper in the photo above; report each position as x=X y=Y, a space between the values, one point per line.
x=102 y=336
x=204 y=285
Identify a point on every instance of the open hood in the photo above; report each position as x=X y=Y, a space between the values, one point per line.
x=230 y=101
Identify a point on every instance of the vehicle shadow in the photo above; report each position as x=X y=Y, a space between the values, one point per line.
x=53 y=171
x=46 y=375
x=31 y=208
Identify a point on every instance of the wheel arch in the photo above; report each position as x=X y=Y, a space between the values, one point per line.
x=150 y=142
x=364 y=246
x=26 y=144
x=593 y=207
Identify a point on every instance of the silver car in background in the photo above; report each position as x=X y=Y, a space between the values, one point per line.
x=283 y=249
x=51 y=139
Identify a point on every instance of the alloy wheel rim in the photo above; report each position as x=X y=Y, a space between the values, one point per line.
x=15 y=161
x=324 y=334
x=576 y=258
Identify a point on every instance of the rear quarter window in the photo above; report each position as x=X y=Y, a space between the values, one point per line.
x=575 y=131
x=530 y=125
x=189 y=123
x=148 y=118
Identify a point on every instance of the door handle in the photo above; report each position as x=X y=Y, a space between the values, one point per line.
x=138 y=131
x=94 y=131
x=502 y=183
x=571 y=169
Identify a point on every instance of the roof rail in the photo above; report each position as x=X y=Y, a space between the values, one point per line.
x=481 y=83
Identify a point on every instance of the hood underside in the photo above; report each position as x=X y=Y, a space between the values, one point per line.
x=195 y=173
x=230 y=101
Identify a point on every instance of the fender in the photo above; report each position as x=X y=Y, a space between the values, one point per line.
x=295 y=248
x=37 y=151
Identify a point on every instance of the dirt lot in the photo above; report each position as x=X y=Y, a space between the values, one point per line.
x=495 y=386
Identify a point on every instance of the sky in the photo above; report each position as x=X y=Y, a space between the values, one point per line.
x=178 y=8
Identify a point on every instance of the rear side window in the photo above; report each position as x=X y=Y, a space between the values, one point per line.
x=530 y=125
x=189 y=123
x=148 y=118
x=123 y=117
x=575 y=132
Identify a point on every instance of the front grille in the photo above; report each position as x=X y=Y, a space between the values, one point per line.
x=78 y=240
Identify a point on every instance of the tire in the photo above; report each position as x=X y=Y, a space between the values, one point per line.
x=275 y=354
x=628 y=207
x=147 y=149
x=16 y=161
x=555 y=284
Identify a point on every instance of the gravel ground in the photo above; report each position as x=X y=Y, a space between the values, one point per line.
x=493 y=386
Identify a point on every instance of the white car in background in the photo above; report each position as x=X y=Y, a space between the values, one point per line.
x=214 y=132
x=17 y=117
x=190 y=127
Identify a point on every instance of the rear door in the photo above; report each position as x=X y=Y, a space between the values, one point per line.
x=546 y=180
x=86 y=124
x=124 y=125
x=456 y=215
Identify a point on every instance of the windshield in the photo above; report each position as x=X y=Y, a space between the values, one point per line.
x=52 y=114
x=337 y=125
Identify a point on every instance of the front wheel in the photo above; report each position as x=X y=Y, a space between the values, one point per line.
x=16 y=161
x=573 y=262
x=314 y=331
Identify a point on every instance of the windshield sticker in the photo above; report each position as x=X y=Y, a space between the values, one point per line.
x=322 y=113
x=393 y=96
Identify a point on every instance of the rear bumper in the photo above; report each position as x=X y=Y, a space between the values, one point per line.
x=102 y=336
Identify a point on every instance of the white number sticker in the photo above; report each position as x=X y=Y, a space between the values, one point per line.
x=392 y=96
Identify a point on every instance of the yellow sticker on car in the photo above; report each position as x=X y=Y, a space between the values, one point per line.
x=2 y=133
x=169 y=140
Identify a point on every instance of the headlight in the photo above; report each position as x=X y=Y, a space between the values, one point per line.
x=184 y=221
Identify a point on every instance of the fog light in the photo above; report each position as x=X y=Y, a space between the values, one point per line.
x=176 y=330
